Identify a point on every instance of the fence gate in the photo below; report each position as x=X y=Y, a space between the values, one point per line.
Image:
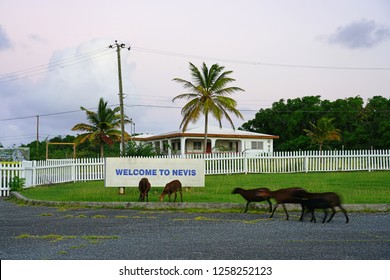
x=7 y=172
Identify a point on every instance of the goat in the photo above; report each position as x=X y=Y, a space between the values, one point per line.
x=323 y=201
x=144 y=188
x=283 y=196
x=252 y=195
x=172 y=187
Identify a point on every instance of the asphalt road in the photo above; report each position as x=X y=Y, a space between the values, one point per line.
x=40 y=233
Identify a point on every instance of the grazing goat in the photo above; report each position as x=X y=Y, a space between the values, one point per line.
x=172 y=187
x=323 y=201
x=282 y=196
x=252 y=195
x=144 y=188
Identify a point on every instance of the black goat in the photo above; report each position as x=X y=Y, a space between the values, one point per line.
x=252 y=195
x=327 y=200
x=283 y=196
x=144 y=188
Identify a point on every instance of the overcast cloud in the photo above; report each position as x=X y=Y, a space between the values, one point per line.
x=361 y=34
x=4 y=41
x=55 y=57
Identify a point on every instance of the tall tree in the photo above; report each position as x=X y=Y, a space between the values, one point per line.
x=323 y=131
x=208 y=95
x=102 y=128
x=287 y=119
x=376 y=122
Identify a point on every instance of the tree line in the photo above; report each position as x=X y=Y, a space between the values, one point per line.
x=361 y=125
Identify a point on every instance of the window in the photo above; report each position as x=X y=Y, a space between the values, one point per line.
x=197 y=145
x=257 y=145
x=176 y=146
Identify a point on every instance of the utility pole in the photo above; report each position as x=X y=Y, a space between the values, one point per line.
x=37 y=151
x=119 y=47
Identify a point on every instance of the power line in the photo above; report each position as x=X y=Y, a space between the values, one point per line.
x=41 y=115
x=93 y=54
x=50 y=114
x=55 y=65
x=256 y=63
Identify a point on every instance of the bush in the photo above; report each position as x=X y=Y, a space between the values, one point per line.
x=16 y=183
x=143 y=150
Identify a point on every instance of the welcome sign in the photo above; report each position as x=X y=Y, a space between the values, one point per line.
x=127 y=172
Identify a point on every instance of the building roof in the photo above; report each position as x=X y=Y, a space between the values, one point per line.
x=213 y=131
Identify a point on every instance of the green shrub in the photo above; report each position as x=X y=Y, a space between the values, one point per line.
x=16 y=183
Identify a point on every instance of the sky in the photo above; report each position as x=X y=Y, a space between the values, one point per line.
x=55 y=57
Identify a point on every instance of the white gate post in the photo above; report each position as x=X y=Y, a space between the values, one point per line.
x=27 y=173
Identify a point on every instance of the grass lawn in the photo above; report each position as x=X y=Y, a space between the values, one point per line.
x=354 y=187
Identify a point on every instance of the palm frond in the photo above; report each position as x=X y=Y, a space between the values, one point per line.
x=83 y=127
x=102 y=125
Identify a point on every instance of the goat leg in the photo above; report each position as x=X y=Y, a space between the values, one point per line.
x=270 y=205
x=325 y=215
x=333 y=213
x=313 y=218
x=246 y=208
x=285 y=211
x=276 y=206
x=302 y=212
x=345 y=214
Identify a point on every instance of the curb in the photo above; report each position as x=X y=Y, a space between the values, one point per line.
x=187 y=205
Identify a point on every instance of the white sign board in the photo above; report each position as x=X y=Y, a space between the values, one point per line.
x=127 y=172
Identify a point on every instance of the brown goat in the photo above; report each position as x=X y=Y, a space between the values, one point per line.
x=283 y=196
x=252 y=195
x=144 y=188
x=172 y=187
x=323 y=201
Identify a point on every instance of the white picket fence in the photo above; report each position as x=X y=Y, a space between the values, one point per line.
x=299 y=161
x=7 y=172
x=49 y=172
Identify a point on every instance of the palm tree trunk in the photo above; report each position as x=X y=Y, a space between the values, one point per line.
x=102 y=150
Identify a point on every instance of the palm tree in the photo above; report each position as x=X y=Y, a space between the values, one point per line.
x=323 y=131
x=102 y=128
x=208 y=96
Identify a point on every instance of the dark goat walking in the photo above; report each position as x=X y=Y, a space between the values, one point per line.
x=323 y=201
x=172 y=187
x=252 y=195
x=144 y=188
x=283 y=196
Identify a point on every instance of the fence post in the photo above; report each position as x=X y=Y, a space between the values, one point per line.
x=73 y=172
x=305 y=163
x=245 y=156
x=27 y=173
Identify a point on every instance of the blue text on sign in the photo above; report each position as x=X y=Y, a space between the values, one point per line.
x=154 y=172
